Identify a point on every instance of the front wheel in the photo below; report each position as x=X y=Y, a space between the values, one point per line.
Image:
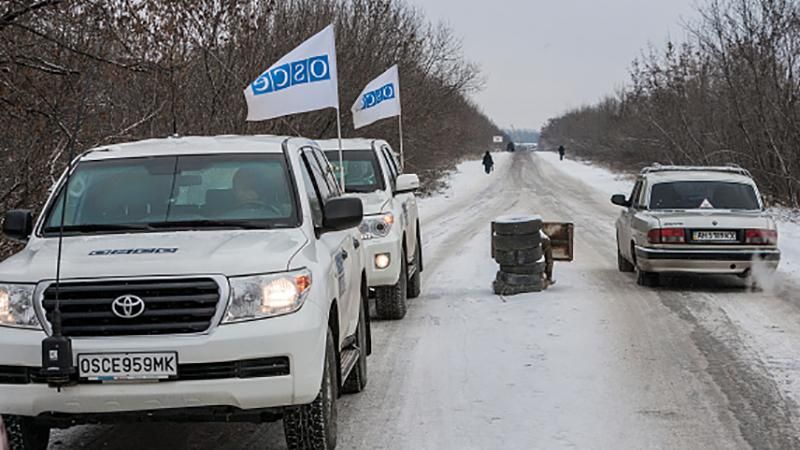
x=415 y=281
x=391 y=301
x=313 y=426
x=357 y=380
x=24 y=433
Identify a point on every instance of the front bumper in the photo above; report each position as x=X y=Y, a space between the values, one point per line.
x=300 y=337
x=390 y=245
x=707 y=261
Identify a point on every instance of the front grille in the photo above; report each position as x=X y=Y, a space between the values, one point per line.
x=251 y=368
x=170 y=307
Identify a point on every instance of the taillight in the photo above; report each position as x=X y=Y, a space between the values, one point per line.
x=667 y=236
x=761 y=237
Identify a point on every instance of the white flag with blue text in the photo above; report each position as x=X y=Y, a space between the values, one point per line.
x=303 y=80
x=379 y=100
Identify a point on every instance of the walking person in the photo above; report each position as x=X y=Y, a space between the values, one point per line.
x=488 y=162
x=561 y=152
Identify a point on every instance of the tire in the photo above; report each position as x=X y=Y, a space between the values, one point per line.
x=415 y=282
x=518 y=257
x=518 y=242
x=313 y=426
x=24 y=433
x=391 y=301
x=357 y=380
x=623 y=264
x=517 y=225
x=647 y=279
x=519 y=280
x=526 y=269
x=501 y=288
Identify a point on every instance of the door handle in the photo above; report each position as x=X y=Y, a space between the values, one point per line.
x=345 y=255
x=356 y=243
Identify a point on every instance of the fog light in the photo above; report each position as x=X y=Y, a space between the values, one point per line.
x=382 y=260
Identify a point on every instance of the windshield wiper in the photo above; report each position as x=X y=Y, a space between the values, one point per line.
x=209 y=223
x=98 y=227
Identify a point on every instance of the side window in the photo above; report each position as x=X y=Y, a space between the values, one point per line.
x=330 y=177
x=392 y=169
x=322 y=184
x=636 y=194
x=313 y=195
x=392 y=160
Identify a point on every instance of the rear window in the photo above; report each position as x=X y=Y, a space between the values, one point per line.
x=362 y=173
x=704 y=195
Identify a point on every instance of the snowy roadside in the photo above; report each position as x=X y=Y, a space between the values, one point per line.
x=615 y=183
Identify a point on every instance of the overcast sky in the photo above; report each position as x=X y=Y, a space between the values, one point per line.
x=542 y=57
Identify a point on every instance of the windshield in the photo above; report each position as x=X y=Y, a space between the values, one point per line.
x=362 y=173
x=239 y=191
x=704 y=195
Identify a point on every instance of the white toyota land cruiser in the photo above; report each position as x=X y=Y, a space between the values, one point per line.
x=202 y=279
x=390 y=230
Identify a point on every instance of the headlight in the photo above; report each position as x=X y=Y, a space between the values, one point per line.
x=16 y=306
x=376 y=226
x=262 y=296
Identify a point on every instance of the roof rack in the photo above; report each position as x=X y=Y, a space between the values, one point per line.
x=728 y=168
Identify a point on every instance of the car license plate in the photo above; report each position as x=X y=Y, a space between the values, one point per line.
x=128 y=366
x=715 y=236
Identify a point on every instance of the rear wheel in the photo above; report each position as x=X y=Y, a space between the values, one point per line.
x=391 y=301
x=313 y=426
x=647 y=279
x=24 y=433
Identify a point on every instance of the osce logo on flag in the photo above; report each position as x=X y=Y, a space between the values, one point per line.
x=378 y=96
x=309 y=70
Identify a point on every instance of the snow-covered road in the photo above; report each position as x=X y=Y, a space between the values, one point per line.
x=594 y=362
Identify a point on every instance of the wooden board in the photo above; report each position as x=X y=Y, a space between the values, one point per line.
x=563 y=237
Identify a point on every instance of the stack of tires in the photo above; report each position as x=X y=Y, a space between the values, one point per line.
x=517 y=247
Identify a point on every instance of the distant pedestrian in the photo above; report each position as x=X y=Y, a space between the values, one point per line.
x=488 y=162
x=561 y=152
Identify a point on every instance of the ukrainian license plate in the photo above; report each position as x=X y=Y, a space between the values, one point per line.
x=715 y=236
x=128 y=366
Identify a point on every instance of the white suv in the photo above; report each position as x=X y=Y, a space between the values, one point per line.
x=202 y=278
x=390 y=230
x=706 y=220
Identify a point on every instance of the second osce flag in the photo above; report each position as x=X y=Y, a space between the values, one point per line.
x=303 y=80
x=379 y=100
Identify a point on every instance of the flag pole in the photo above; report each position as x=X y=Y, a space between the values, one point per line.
x=341 y=158
x=402 y=154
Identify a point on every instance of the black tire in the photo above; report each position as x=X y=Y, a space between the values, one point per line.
x=24 y=433
x=357 y=380
x=313 y=426
x=415 y=281
x=517 y=225
x=518 y=257
x=391 y=301
x=623 y=264
x=518 y=242
x=501 y=288
x=526 y=269
x=647 y=279
x=519 y=280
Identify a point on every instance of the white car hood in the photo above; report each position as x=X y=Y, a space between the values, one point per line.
x=374 y=202
x=226 y=252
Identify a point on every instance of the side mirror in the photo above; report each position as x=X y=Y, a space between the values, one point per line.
x=342 y=213
x=406 y=183
x=620 y=200
x=18 y=224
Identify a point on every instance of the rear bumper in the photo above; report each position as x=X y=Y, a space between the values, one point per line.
x=720 y=261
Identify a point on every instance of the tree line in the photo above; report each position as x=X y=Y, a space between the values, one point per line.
x=82 y=73
x=729 y=94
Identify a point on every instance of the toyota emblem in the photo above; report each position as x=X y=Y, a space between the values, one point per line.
x=128 y=307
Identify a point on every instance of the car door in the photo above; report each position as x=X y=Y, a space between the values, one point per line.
x=407 y=202
x=624 y=228
x=351 y=295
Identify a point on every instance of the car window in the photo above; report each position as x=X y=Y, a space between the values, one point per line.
x=321 y=182
x=314 y=198
x=160 y=191
x=362 y=171
x=636 y=194
x=392 y=170
x=704 y=195
x=392 y=159
x=327 y=170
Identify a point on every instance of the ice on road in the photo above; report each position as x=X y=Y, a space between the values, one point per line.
x=595 y=362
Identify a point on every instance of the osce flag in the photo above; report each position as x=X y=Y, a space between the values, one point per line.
x=379 y=100
x=303 y=80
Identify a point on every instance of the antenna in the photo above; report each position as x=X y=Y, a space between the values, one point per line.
x=57 y=366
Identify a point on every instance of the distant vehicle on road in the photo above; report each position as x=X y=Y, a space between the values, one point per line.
x=391 y=231
x=204 y=279
x=705 y=220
